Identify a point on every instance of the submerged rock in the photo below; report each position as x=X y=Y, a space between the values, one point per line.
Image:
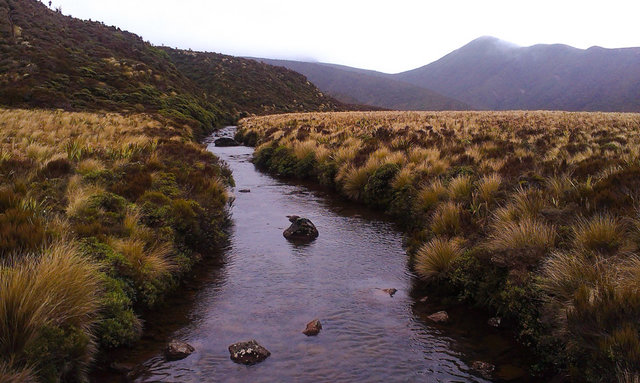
x=483 y=368
x=390 y=291
x=439 y=317
x=248 y=352
x=226 y=141
x=177 y=350
x=313 y=328
x=301 y=229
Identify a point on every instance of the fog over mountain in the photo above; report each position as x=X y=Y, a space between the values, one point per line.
x=489 y=73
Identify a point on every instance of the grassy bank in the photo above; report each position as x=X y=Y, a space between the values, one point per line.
x=532 y=215
x=100 y=216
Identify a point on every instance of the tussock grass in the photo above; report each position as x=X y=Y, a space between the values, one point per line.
x=430 y=195
x=434 y=259
x=71 y=184
x=488 y=188
x=446 y=219
x=602 y=234
x=56 y=288
x=527 y=234
x=460 y=188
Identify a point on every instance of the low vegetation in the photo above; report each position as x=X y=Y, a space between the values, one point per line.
x=100 y=216
x=532 y=215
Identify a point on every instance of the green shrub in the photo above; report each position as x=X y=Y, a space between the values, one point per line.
x=378 y=192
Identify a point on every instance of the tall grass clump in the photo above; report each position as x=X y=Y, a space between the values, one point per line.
x=460 y=188
x=523 y=242
x=55 y=289
x=447 y=219
x=434 y=259
x=488 y=188
x=602 y=234
x=429 y=196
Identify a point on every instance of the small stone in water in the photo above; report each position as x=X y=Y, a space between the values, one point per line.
x=390 y=291
x=494 y=322
x=177 y=350
x=439 y=317
x=313 y=328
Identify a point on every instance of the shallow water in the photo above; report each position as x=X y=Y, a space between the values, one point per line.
x=268 y=289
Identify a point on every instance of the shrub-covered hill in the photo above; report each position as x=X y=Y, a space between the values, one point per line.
x=245 y=86
x=49 y=60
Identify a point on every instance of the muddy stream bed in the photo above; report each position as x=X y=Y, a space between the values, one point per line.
x=266 y=288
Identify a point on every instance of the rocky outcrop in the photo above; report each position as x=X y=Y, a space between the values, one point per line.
x=226 y=141
x=313 y=328
x=248 y=352
x=177 y=350
x=301 y=229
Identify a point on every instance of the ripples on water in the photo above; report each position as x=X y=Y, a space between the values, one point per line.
x=269 y=289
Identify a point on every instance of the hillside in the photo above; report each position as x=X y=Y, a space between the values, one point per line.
x=54 y=61
x=243 y=85
x=492 y=74
x=351 y=85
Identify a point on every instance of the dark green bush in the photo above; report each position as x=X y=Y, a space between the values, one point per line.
x=378 y=192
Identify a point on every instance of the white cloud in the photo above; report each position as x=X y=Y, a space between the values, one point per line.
x=382 y=35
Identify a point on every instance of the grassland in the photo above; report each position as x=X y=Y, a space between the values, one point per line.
x=531 y=215
x=100 y=216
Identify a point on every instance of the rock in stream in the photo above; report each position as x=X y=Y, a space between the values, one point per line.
x=301 y=229
x=248 y=352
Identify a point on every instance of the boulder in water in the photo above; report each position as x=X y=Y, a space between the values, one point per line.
x=226 y=141
x=313 y=328
x=177 y=350
x=248 y=352
x=301 y=229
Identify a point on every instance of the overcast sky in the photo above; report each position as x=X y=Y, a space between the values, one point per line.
x=389 y=36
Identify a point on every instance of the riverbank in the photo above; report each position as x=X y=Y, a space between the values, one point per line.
x=269 y=288
x=101 y=216
x=527 y=214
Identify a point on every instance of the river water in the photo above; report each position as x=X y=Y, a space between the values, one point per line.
x=267 y=289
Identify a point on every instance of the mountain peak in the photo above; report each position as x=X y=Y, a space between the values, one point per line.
x=486 y=42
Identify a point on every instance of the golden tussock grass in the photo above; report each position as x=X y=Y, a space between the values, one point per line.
x=434 y=258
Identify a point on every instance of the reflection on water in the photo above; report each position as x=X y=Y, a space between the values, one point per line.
x=268 y=289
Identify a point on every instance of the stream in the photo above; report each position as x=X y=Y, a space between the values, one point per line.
x=267 y=289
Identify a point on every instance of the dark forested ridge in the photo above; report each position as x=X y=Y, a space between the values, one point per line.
x=49 y=60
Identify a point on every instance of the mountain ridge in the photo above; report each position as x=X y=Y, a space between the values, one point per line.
x=493 y=74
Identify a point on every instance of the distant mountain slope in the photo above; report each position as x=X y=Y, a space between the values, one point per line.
x=54 y=61
x=352 y=85
x=492 y=74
